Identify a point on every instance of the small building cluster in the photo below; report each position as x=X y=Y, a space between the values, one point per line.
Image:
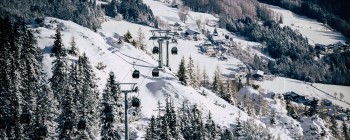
x=332 y=48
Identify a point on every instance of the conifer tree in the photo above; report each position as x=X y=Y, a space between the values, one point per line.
x=67 y=116
x=263 y=106
x=140 y=39
x=273 y=118
x=211 y=128
x=334 y=127
x=89 y=93
x=345 y=129
x=128 y=37
x=73 y=50
x=59 y=79
x=217 y=80
x=226 y=135
x=111 y=9
x=58 y=47
x=151 y=130
x=110 y=98
x=205 y=76
x=181 y=73
x=239 y=132
x=199 y=77
x=191 y=75
x=314 y=107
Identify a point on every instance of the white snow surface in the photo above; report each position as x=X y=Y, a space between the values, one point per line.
x=101 y=46
x=119 y=59
x=315 y=31
x=283 y=85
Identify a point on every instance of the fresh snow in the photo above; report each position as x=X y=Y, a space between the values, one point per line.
x=283 y=85
x=316 y=32
x=101 y=46
x=119 y=59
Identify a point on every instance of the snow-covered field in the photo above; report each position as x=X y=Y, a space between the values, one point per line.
x=315 y=31
x=283 y=85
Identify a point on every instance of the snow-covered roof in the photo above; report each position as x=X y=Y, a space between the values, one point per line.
x=191 y=31
x=117 y=36
x=258 y=72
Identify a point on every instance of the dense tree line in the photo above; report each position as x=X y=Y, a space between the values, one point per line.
x=83 y=12
x=132 y=10
x=237 y=9
x=189 y=123
x=65 y=107
x=334 y=14
x=26 y=98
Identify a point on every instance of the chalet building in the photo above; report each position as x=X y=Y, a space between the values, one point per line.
x=258 y=75
x=192 y=34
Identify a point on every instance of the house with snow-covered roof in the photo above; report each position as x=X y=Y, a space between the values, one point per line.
x=258 y=74
x=192 y=34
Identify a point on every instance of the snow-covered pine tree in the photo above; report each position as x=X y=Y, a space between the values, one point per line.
x=184 y=121
x=229 y=92
x=273 y=118
x=345 y=130
x=263 y=106
x=73 y=50
x=111 y=9
x=37 y=96
x=217 y=80
x=198 y=77
x=197 y=126
x=211 y=130
x=205 y=82
x=181 y=73
x=151 y=130
x=239 y=132
x=165 y=130
x=250 y=106
x=58 y=47
x=59 y=79
x=191 y=75
x=226 y=135
x=128 y=37
x=334 y=127
x=140 y=39
x=171 y=118
x=66 y=118
x=89 y=94
x=110 y=98
x=313 y=107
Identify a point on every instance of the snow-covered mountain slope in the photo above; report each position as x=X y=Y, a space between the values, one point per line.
x=320 y=91
x=102 y=46
x=315 y=31
x=119 y=60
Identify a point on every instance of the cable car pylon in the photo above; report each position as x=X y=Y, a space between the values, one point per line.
x=161 y=36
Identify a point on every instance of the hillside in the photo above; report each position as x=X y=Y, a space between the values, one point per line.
x=222 y=97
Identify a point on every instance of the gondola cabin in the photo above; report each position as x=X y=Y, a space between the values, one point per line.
x=136 y=74
x=155 y=50
x=174 y=50
x=135 y=102
x=155 y=72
